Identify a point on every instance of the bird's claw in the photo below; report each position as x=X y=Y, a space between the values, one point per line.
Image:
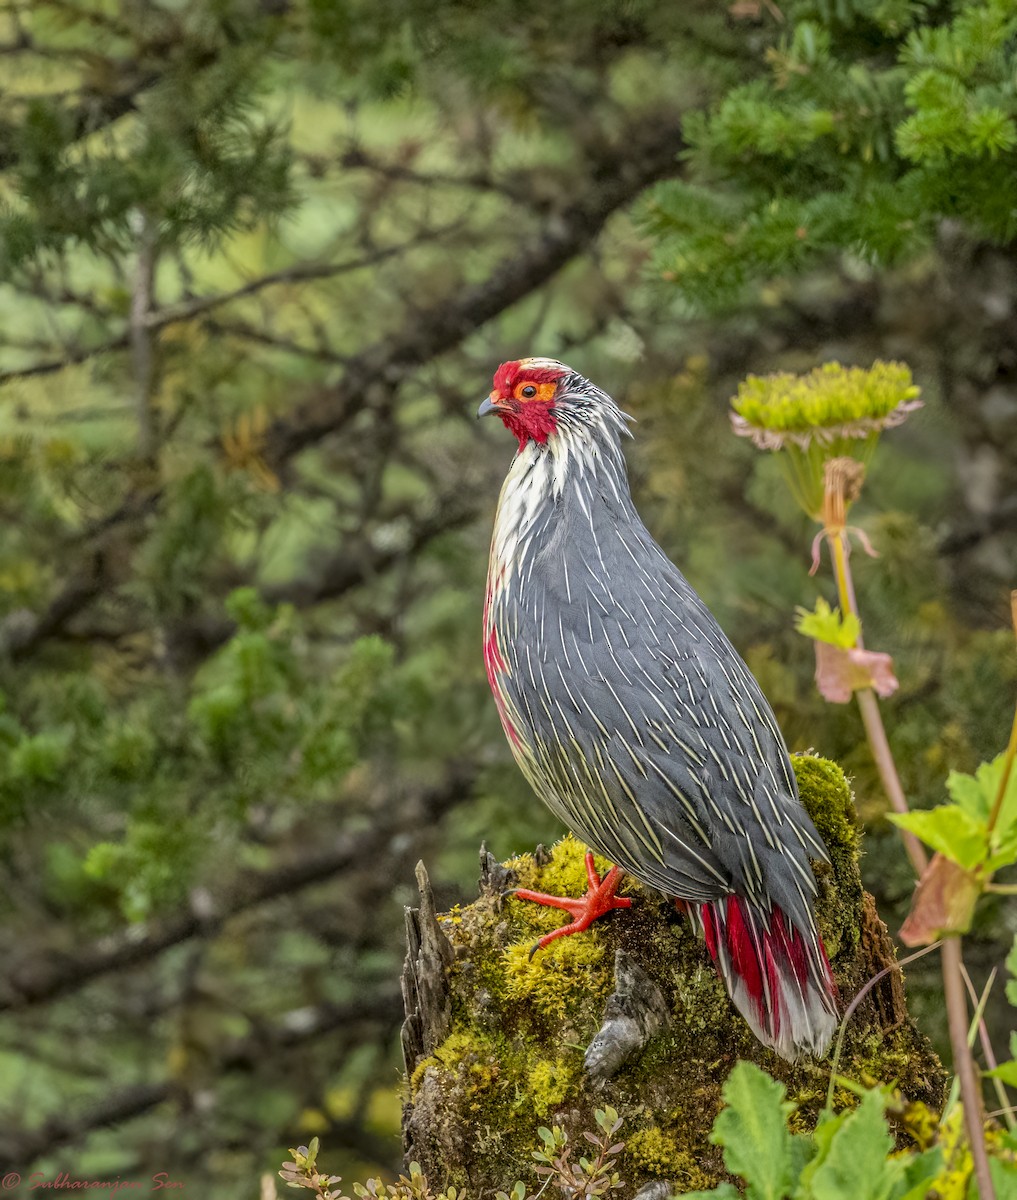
x=599 y=899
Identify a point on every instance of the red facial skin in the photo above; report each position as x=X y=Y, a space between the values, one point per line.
x=530 y=418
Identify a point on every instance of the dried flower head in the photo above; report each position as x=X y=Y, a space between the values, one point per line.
x=833 y=412
x=832 y=403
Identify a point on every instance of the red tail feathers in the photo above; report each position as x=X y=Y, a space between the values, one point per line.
x=779 y=979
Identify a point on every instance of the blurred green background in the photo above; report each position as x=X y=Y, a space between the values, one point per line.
x=258 y=261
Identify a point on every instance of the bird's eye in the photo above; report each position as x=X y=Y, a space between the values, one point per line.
x=528 y=391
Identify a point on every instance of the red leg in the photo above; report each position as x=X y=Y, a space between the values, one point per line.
x=599 y=899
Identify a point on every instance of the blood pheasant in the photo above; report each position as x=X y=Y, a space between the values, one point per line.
x=635 y=719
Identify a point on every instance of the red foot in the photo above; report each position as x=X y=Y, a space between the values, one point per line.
x=600 y=899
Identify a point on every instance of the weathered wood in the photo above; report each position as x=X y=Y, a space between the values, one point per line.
x=495 y=879
x=424 y=982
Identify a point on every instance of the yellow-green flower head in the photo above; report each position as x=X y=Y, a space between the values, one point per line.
x=833 y=403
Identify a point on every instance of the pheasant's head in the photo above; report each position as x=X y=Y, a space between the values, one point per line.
x=541 y=399
x=524 y=396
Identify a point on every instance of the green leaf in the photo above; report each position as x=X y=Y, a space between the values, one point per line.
x=753 y=1131
x=920 y=1172
x=822 y=1138
x=1004 y=1178
x=967 y=791
x=1006 y=1071
x=1004 y=848
x=977 y=793
x=855 y=1166
x=951 y=830
x=826 y=624
x=1011 y=966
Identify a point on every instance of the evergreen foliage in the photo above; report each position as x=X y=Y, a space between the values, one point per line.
x=257 y=261
x=871 y=124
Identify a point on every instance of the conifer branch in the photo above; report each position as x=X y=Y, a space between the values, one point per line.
x=19 y=1148
x=196 y=306
x=47 y=976
x=645 y=153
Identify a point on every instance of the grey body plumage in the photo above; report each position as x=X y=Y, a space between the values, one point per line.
x=648 y=685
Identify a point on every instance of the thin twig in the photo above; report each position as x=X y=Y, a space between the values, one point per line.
x=141 y=336
x=245 y=332
x=862 y=993
x=186 y=310
x=45 y=977
x=20 y=1147
x=983 y=1035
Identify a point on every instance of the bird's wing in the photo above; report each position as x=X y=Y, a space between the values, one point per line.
x=652 y=740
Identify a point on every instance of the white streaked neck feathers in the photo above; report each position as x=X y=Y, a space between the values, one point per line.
x=582 y=456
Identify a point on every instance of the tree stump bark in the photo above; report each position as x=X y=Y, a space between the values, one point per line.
x=630 y=1014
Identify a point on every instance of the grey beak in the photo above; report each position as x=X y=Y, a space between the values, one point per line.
x=486 y=407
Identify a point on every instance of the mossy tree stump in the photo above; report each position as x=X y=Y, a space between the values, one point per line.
x=630 y=1013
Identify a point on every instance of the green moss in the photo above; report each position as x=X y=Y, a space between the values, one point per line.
x=701 y=1003
x=688 y=1175
x=417 y=1078
x=827 y=797
x=571 y=978
x=563 y=874
x=652 y=1150
x=660 y=1156
x=570 y=970
x=549 y=1082
x=475 y=1059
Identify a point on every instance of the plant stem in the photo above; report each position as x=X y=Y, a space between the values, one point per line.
x=881 y=752
x=952 y=960
x=842 y=572
x=1011 y=748
x=964 y=1064
x=868 y=705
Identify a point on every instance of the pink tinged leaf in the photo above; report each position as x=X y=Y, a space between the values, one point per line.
x=840 y=672
x=943 y=904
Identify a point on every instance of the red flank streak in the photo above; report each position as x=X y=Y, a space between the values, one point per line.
x=496 y=666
